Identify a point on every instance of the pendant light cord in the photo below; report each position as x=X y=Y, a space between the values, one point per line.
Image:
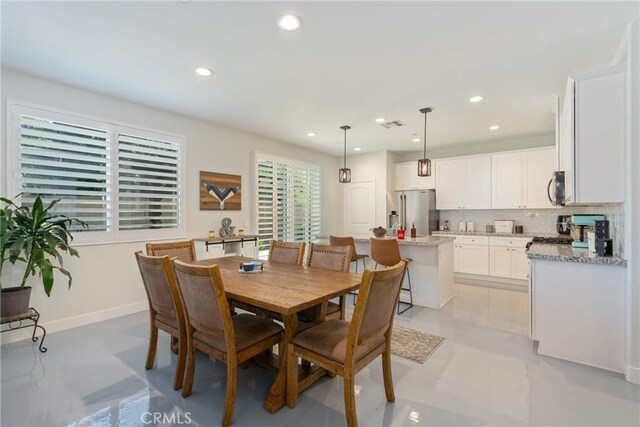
x=425 y=136
x=345 y=148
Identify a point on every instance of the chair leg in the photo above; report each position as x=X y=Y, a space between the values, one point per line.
x=153 y=344
x=174 y=344
x=182 y=359
x=386 y=373
x=350 y=401
x=292 y=376
x=409 y=289
x=190 y=370
x=230 y=400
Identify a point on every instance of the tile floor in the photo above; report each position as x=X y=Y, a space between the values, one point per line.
x=486 y=373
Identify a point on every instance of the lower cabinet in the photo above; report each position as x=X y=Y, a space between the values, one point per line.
x=474 y=259
x=500 y=261
x=519 y=264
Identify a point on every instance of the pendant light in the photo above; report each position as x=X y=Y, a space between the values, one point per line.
x=345 y=174
x=424 y=164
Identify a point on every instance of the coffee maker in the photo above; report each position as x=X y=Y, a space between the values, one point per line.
x=579 y=224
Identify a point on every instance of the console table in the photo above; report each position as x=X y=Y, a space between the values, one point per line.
x=16 y=322
x=217 y=247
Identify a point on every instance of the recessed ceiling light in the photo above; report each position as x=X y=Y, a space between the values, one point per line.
x=204 y=71
x=416 y=139
x=494 y=127
x=311 y=134
x=476 y=99
x=381 y=120
x=289 y=22
x=357 y=149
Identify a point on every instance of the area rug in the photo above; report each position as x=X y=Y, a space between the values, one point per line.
x=411 y=344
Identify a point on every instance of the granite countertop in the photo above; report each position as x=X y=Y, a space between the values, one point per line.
x=566 y=253
x=407 y=241
x=484 y=233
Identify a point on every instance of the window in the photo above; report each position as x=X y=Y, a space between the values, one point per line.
x=125 y=183
x=288 y=201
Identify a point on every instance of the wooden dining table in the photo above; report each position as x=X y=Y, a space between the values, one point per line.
x=284 y=289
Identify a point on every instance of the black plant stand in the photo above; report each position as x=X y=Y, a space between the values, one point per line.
x=16 y=322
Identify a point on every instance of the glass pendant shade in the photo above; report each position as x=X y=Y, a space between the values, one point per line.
x=424 y=167
x=344 y=175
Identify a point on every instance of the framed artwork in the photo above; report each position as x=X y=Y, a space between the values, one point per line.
x=220 y=192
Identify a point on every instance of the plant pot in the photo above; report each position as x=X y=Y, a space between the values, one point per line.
x=15 y=301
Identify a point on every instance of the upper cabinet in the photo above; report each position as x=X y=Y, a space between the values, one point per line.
x=464 y=183
x=406 y=177
x=591 y=137
x=519 y=179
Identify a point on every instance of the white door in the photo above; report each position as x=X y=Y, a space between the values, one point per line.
x=477 y=183
x=506 y=174
x=519 y=263
x=500 y=261
x=449 y=184
x=538 y=166
x=474 y=259
x=359 y=207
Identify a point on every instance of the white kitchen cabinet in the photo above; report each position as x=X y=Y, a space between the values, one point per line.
x=577 y=312
x=519 y=179
x=464 y=183
x=456 y=257
x=406 y=177
x=449 y=182
x=506 y=180
x=474 y=259
x=519 y=264
x=591 y=136
x=538 y=167
x=500 y=261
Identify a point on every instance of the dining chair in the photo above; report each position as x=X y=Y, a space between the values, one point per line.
x=336 y=258
x=386 y=252
x=348 y=241
x=286 y=252
x=165 y=309
x=211 y=329
x=185 y=250
x=344 y=348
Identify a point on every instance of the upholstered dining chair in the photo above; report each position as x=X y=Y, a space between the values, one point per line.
x=286 y=252
x=165 y=309
x=386 y=252
x=185 y=251
x=344 y=348
x=348 y=241
x=336 y=258
x=211 y=329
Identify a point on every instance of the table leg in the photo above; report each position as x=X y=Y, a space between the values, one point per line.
x=277 y=396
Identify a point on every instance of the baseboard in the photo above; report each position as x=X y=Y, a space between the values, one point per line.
x=632 y=374
x=491 y=282
x=75 y=321
x=580 y=362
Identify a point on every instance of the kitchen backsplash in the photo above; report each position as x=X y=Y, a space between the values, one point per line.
x=540 y=220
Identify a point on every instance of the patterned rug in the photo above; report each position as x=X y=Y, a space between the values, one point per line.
x=411 y=344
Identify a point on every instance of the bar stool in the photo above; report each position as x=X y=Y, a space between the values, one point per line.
x=386 y=252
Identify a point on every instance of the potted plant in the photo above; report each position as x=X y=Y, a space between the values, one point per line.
x=37 y=237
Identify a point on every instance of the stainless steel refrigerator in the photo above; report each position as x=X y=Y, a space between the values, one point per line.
x=417 y=207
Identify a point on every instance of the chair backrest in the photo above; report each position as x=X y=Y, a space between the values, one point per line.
x=385 y=251
x=375 y=306
x=345 y=241
x=337 y=258
x=205 y=304
x=185 y=251
x=160 y=285
x=286 y=252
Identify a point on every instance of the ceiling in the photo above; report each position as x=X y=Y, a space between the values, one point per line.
x=350 y=63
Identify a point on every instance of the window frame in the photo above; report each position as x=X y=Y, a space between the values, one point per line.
x=15 y=108
x=292 y=163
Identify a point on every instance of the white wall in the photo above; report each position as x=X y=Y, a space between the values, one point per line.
x=106 y=280
x=468 y=149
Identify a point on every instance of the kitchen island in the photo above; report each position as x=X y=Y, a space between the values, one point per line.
x=431 y=268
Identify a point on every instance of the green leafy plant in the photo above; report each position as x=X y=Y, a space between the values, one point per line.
x=37 y=237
